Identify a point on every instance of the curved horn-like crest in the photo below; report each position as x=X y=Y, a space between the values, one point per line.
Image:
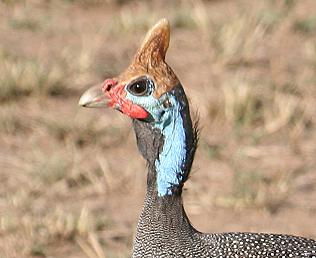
x=154 y=47
x=150 y=60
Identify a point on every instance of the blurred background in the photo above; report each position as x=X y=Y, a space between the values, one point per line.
x=71 y=180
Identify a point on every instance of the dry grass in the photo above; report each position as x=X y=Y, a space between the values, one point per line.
x=72 y=182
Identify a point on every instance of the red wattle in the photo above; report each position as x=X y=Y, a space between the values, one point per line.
x=134 y=111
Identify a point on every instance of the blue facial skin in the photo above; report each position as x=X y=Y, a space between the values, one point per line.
x=168 y=119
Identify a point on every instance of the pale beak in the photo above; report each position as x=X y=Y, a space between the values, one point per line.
x=94 y=98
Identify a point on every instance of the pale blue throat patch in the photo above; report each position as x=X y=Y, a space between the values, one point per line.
x=171 y=160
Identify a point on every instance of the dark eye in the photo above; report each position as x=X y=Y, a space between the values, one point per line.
x=138 y=88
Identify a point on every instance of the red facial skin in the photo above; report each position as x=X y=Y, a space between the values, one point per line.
x=117 y=95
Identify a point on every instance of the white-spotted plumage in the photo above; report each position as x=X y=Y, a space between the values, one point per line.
x=165 y=231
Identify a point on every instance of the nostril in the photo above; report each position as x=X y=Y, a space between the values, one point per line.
x=108 y=84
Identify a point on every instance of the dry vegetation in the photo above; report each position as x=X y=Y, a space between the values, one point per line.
x=72 y=181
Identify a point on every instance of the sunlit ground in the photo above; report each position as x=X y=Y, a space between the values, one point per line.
x=72 y=181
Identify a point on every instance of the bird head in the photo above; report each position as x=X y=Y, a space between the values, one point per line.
x=150 y=93
x=141 y=91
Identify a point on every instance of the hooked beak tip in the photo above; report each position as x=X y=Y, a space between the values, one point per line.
x=82 y=101
x=94 y=98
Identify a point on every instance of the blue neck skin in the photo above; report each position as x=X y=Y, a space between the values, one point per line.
x=171 y=160
x=170 y=164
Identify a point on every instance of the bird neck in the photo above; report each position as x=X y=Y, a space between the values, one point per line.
x=169 y=149
x=164 y=207
x=162 y=223
x=168 y=145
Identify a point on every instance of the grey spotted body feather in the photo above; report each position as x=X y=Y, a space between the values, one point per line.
x=165 y=231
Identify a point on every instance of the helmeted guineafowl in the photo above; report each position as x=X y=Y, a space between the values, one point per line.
x=151 y=94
